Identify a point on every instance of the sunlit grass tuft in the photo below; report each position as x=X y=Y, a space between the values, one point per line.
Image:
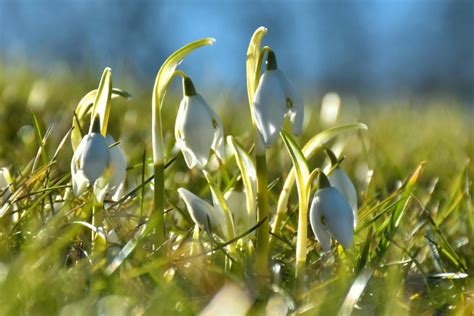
x=413 y=248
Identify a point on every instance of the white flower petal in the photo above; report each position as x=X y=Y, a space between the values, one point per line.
x=198 y=130
x=330 y=209
x=339 y=179
x=94 y=157
x=79 y=183
x=112 y=237
x=101 y=186
x=4 y=174
x=201 y=212
x=293 y=98
x=189 y=157
x=269 y=106
x=318 y=227
x=118 y=192
x=218 y=141
x=118 y=165
x=79 y=180
x=236 y=201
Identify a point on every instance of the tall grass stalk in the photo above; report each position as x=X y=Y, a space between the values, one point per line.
x=165 y=75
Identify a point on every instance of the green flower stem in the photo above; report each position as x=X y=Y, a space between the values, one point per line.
x=159 y=203
x=157 y=217
x=98 y=243
x=264 y=229
x=301 y=240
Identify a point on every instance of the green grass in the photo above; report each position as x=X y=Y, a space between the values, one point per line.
x=416 y=218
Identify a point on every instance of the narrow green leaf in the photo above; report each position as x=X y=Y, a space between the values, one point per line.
x=41 y=140
x=127 y=249
x=101 y=105
x=323 y=137
x=302 y=175
x=84 y=110
x=311 y=147
x=299 y=162
x=355 y=292
x=219 y=199
x=397 y=215
x=248 y=172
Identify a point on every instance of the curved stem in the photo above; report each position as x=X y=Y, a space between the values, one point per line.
x=157 y=216
x=159 y=203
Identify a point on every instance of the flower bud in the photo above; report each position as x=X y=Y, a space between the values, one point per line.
x=89 y=161
x=330 y=215
x=341 y=181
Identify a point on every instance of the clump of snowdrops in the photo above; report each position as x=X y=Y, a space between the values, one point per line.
x=158 y=234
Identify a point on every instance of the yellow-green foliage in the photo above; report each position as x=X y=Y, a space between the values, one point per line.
x=415 y=219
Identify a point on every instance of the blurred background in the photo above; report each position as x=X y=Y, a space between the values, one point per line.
x=405 y=68
x=371 y=49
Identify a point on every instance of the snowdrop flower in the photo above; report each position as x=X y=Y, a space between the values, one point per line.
x=202 y=213
x=276 y=104
x=98 y=164
x=341 y=181
x=330 y=215
x=198 y=129
x=112 y=181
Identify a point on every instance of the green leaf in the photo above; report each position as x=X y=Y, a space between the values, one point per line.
x=397 y=215
x=318 y=140
x=302 y=175
x=253 y=59
x=299 y=162
x=128 y=248
x=355 y=292
x=311 y=147
x=219 y=199
x=83 y=112
x=101 y=105
x=248 y=172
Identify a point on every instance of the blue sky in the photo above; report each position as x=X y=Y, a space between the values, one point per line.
x=361 y=46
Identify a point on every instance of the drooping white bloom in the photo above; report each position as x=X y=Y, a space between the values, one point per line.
x=88 y=162
x=202 y=213
x=198 y=129
x=331 y=216
x=97 y=162
x=276 y=104
x=341 y=181
x=112 y=181
x=118 y=164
